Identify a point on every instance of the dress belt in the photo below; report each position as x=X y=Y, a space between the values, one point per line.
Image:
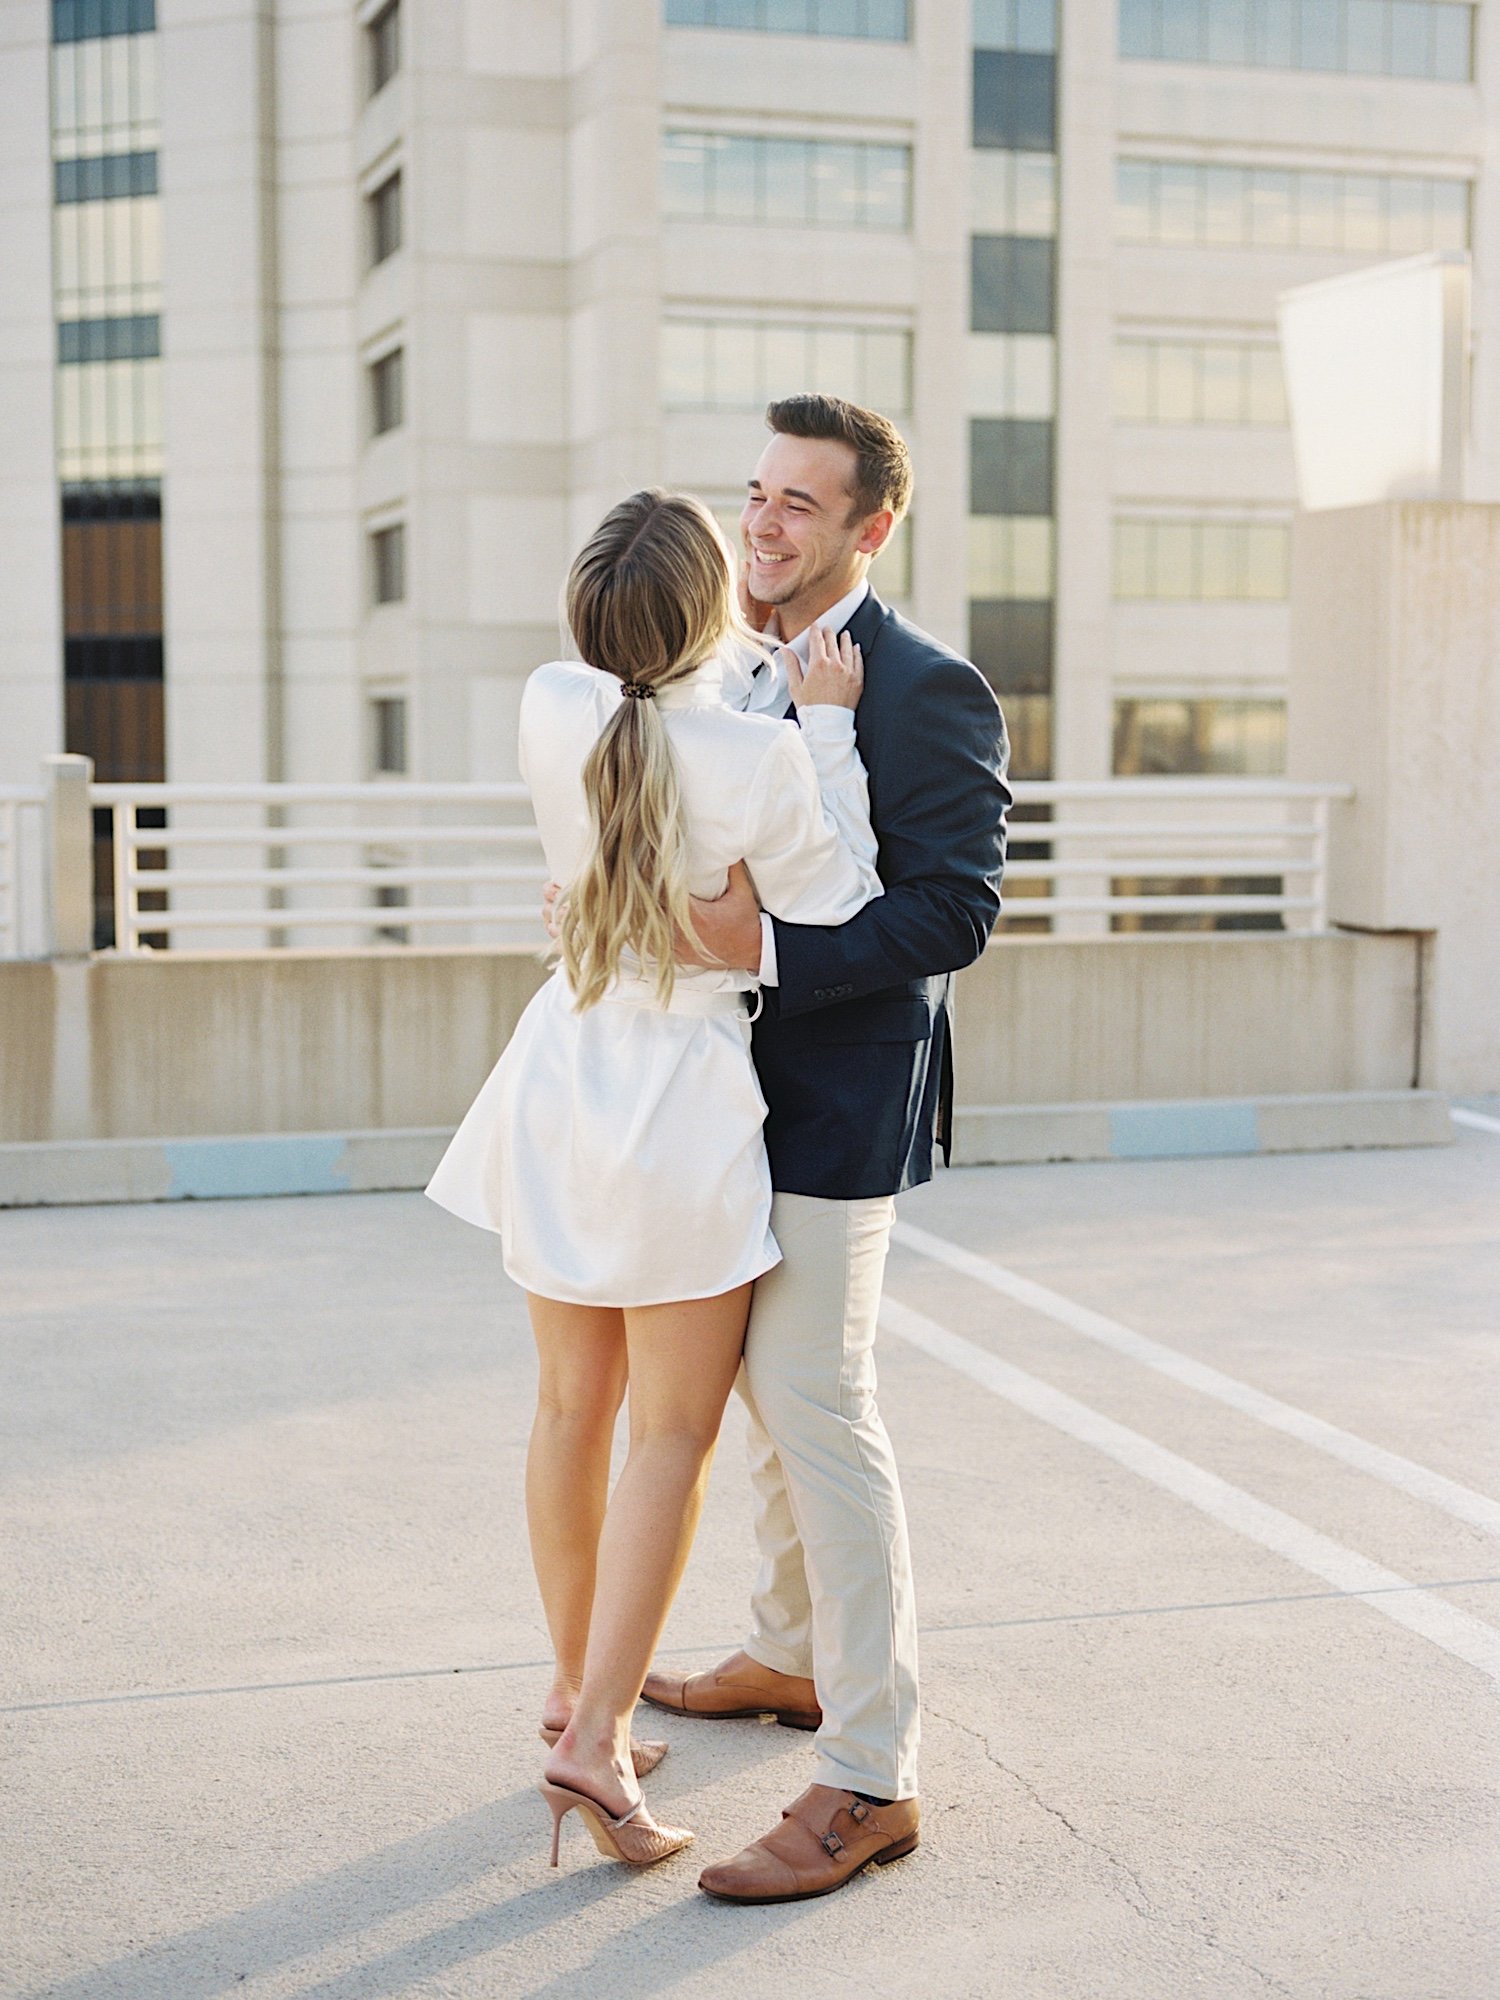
x=685 y=1000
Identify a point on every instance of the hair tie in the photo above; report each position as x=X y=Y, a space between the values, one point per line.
x=637 y=691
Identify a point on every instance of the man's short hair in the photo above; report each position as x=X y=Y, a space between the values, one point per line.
x=882 y=463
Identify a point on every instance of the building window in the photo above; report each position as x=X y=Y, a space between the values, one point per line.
x=714 y=364
x=106 y=259
x=1027 y=25
x=388 y=564
x=104 y=177
x=133 y=338
x=1199 y=738
x=1010 y=556
x=1011 y=284
x=384 y=44
x=387 y=392
x=1201 y=560
x=1198 y=382
x=1012 y=375
x=723 y=177
x=1012 y=194
x=385 y=219
x=1010 y=641
x=109 y=423
x=1401 y=38
x=862 y=20
x=88 y=20
x=1010 y=466
x=1014 y=99
x=388 y=736
x=104 y=96
x=1162 y=201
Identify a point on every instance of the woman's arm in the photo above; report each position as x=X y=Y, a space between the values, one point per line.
x=810 y=849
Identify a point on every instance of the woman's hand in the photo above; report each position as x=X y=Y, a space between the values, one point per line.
x=834 y=676
x=756 y=615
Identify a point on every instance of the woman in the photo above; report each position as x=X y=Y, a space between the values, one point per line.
x=617 y=1147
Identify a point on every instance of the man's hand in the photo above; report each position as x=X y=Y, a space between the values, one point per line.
x=834 y=676
x=728 y=927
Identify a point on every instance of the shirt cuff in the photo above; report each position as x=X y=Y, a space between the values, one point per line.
x=767 y=951
x=828 y=719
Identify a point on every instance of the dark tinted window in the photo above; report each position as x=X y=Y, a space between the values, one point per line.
x=387 y=392
x=388 y=561
x=105 y=177
x=1012 y=284
x=1013 y=100
x=385 y=219
x=385 y=46
x=86 y=20
x=1011 y=644
x=1010 y=465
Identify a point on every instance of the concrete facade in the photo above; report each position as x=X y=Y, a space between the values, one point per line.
x=1396 y=612
x=177 y=1045
x=528 y=295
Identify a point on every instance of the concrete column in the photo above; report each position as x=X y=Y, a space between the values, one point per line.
x=1395 y=688
x=30 y=588
x=70 y=857
x=219 y=531
x=1082 y=661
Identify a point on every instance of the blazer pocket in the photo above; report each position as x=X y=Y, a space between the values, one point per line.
x=875 y=1020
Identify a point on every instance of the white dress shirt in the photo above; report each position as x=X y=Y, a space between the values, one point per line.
x=768 y=692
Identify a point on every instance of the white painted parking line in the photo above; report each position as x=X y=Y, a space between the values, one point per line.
x=1475 y=1118
x=1405 y=1603
x=1462 y=1502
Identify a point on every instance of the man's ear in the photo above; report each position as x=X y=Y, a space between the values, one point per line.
x=877 y=532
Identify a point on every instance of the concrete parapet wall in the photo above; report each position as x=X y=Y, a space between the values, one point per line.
x=181 y=1045
x=1096 y=1020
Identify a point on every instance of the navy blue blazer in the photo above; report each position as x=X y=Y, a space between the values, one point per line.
x=854 y=1044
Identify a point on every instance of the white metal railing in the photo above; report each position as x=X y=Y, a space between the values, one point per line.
x=289 y=862
x=22 y=917
x=1132 y=848
x=245 y=865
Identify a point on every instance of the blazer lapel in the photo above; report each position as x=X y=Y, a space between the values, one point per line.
x=870 y=614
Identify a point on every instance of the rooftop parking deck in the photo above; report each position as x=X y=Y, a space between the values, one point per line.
x=1202 y=1464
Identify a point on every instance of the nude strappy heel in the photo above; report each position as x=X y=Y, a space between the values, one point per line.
x=634 y=1837
x=645 y=1756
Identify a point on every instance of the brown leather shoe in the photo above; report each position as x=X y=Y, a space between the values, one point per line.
x=825 y=1838
x=737 y=1686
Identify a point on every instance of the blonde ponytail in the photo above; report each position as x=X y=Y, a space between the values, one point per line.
x=650 y=598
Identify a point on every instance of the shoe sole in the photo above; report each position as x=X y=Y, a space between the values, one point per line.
x=789 y=1718
x=883 y=1859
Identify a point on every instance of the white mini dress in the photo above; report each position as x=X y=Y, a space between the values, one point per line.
x=618 y=1152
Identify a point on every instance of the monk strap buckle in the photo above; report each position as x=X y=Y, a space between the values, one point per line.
x=831 y=1844
x=859 y=1812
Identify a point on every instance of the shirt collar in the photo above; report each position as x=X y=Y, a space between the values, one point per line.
x=834 y=619
x=702 y=688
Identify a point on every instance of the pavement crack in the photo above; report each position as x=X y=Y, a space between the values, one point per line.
x=1124 y=1879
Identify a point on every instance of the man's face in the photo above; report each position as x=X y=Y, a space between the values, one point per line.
x=800 y=543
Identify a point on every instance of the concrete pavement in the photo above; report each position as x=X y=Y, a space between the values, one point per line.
x=1202 y=1483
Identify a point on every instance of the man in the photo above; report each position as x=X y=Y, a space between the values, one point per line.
x=853 y=1052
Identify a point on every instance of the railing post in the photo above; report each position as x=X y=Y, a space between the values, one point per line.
x=1318 y=887
x=69 y=836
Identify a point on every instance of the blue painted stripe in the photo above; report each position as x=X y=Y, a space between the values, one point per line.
x=302 y=1163
x=1178 y=1131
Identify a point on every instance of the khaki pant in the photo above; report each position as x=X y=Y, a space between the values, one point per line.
x=834 y=1597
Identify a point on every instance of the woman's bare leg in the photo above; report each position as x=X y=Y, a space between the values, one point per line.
x=683 y=1361
x=581 y=1350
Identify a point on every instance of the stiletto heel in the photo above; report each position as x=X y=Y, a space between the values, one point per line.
x=559 y=1807
x=645 y=1756
x=634 y=1838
